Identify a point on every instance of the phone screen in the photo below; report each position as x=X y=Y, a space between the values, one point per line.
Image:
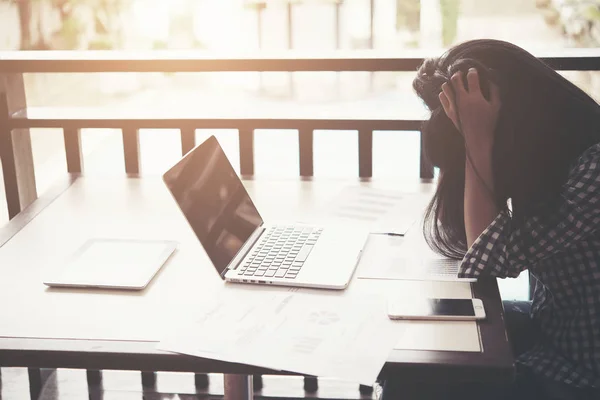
x=433 y=307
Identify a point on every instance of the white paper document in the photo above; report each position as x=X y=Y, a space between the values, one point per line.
x=409 y=257
x=440 y=336
x=412 y=269
x=348 y=338
x=383 y=211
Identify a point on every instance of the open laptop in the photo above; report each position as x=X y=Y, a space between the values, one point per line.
x=242 y=247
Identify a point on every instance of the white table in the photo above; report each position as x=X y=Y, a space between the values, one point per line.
x=95 y=329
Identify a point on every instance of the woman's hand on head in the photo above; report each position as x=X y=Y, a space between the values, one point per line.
x=474 y=116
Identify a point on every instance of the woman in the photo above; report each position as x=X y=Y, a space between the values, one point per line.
x=518 y=149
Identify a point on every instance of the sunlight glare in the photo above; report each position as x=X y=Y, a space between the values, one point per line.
x=216 y=24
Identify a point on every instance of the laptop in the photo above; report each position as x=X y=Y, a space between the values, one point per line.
x=243 y=247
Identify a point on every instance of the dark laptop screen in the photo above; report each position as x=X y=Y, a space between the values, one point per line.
x=214 y=201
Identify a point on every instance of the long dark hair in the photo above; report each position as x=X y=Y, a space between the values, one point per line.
x=545 y=122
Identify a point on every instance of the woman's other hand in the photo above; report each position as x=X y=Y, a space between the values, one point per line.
x=474 y=116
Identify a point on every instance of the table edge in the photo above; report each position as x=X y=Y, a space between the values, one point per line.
x=14 y=225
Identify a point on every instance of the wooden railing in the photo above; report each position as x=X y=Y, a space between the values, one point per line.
x=15 y=142
x=15 y=122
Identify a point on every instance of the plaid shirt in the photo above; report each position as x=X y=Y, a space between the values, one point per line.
x=561 y=247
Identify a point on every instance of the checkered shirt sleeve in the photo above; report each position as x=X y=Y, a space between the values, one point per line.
x=505 y=250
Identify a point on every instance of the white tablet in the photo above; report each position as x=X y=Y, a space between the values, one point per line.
x=113 y=263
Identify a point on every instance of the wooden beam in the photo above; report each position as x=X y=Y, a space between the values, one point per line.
x=188 y=140
x=306 y=149
x=575 y=59
x=131 y=150
x=365 y=153
x=72 y=137
x=82 y=120
x=15 y=147
x=246 y=139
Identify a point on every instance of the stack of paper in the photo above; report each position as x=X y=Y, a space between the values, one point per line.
x=349 y=338
x=408 y=257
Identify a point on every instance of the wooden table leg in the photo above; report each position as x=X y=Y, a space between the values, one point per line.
x=238 y=387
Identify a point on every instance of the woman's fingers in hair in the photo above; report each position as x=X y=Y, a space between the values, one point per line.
x=445 y=102
x=446 y=97
x=473 y=81
x=448 y=92
x=457 y=83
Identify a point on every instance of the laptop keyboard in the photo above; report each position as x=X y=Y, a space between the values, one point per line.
x=281 y=252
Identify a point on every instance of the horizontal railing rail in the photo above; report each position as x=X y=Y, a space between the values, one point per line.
x=246 y=126
x=289 y=61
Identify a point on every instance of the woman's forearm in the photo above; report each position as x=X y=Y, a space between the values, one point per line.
x=480 y=207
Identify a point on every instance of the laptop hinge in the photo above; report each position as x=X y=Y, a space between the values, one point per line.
x=235 y=262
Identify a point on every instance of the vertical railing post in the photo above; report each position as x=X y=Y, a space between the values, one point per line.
x=201 y=381
x=365 y=153
x=35 y=383
x=188 y=140
x=131 y=150
x=246 y=139
x=94 y=384
x=94 y=378
x=148 y=380
x=305 y=146
x=72 y=137
x=15 y=147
